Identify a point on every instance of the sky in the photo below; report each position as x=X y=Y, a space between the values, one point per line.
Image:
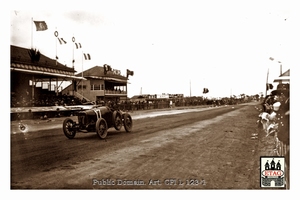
x=175 y=47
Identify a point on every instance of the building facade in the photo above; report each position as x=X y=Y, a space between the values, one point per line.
x=100 y=84
x=33 y=75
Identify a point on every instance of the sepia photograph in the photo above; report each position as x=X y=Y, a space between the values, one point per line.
x=152 y=96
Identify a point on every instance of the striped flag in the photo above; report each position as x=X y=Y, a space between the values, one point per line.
x=78 y=45
x=61 y=41
x=87 y=56
x=40 y=25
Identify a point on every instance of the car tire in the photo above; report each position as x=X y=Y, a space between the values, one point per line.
x=101 y=128
x=68 y=128
x=127 y=121
x=117 y=119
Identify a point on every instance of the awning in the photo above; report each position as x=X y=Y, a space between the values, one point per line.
x=112 y=79
x=116 y=80
x=282 y=79
x=65 y=76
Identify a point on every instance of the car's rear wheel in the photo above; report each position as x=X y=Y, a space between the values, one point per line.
x=127 y=120
x=68 y=128
x=101 y=128
x=117 y=118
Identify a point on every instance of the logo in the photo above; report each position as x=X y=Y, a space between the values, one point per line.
x=272 y=172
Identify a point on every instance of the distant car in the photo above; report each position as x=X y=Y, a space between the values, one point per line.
x=99 y=120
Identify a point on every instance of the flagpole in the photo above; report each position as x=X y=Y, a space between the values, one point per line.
x=56 y=35
x=55 y=52
x=31 y=32
x=190 y=89
x=73 y=40
x=73 y=82
x=267 y=82
x=82 y=76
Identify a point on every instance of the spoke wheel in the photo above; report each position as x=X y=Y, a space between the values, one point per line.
x=68 y=128
x=117 y=118
x=101 y=128
x=127 y=120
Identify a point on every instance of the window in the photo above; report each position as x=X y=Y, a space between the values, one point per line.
x=96 y=87
x=83 y=87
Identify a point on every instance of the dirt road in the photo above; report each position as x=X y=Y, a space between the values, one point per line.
x=206 y=149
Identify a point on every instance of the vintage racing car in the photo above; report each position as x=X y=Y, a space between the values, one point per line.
x=99 y=120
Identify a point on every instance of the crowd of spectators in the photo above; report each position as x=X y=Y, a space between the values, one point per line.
x=275 y=120
x=167 y=103
x=52 y=99
x=21 y=100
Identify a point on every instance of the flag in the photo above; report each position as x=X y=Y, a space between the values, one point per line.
x=35 y=55
x=205 y=90
x=109 y=68
x=61 y=41
x=87 y=56
x=78 y=45
x=105 y=69
x=40 y=25
x=129 y=73
x=269 y=86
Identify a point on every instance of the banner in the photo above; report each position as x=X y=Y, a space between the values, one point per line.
x=87 y=56
x=40 y=25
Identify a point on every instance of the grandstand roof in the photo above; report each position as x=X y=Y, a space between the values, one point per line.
x=97 y=72
x=287 y=73
x=42 y=65
x=21 y=55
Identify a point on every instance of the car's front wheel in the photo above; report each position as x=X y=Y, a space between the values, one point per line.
x=101 y=128
x=127 y=120
x=68 y=128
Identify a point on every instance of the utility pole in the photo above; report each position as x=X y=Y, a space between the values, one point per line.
x=190 y=89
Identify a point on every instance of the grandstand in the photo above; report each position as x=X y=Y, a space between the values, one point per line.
x=99 y=84
x=36 y=82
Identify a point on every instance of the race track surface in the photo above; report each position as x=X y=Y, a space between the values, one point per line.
x=201 y=148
